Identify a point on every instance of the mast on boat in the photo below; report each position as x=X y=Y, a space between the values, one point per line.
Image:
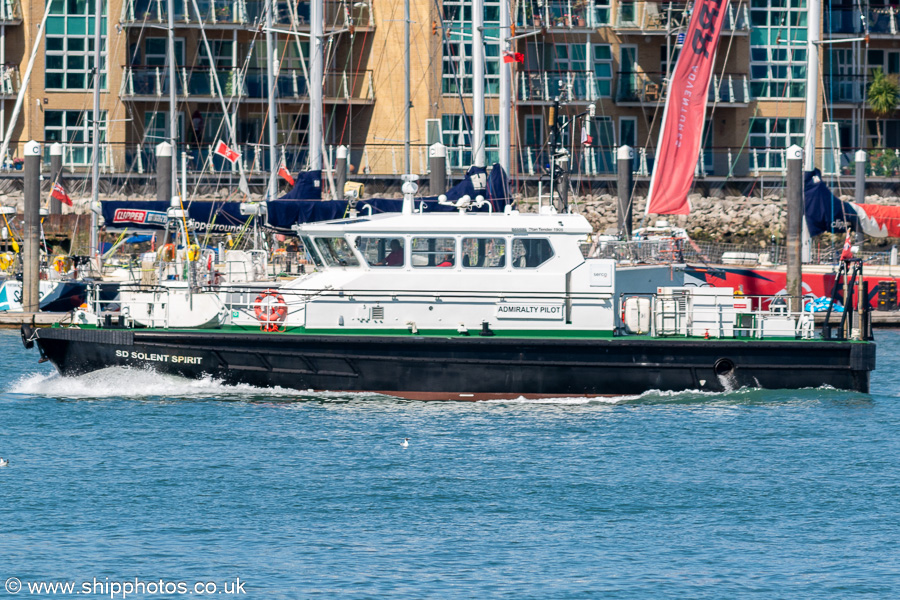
x=505 y=86
x=271 y=58
x=95 y=129
x=814 y=8
x=814 y=17
x=407 y=162
x=173 y=84
x=316 y=75
x=478 y=82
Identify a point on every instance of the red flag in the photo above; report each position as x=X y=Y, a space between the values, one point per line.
x=586 y=138
x=285 y=174
x=847 y=253
x=513 y=57
x=679 y=139
x=230 y=155
x=60 y=194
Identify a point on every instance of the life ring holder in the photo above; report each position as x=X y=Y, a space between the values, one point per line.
x=270 y=313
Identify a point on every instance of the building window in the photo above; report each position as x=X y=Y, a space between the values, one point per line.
x=457 y=48
x=69 y=47
x=770 y=138
x=73 y=128
x=603 y=70
x=601 y=13
x=778 y=48
x=456 y=136
x=156 y=51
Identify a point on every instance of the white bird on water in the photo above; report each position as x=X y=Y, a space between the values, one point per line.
x=404 y=443
x=3 y=462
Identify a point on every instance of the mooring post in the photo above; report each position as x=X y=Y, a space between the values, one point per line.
x=55 y=169
x=340 y=171
x=437 y=161
x=860 y=185
x=624 y=184
x=31 y=262
x=164 y=171
x=794 y=223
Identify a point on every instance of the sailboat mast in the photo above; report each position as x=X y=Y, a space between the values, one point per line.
x=173 y=85
x=316 y=76
x=95 y=129
x=478 y=82
x=407 y=162
x=272 y=56
x=814 y=8
x=505 y=86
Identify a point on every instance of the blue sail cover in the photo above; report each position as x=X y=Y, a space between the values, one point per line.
x=307 y=186
x=293 y=208
x=285 y=214
x=215 y=217
x=825 y=212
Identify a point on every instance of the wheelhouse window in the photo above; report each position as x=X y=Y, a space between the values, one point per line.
x=382 y=252
x=310 y=252
x=484 y=253
x=336 y=252
x=433 y=252
x=529 y=253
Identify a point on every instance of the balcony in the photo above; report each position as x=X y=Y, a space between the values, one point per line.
x=568 y=86
x=10 y=12
x=9 y=81
x=884 y=22
x=649 y=89
x=237 y=14
x=649 y=18
x=576 y=14
x=141 y=83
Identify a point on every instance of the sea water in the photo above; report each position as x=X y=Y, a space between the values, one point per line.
x=133 y=484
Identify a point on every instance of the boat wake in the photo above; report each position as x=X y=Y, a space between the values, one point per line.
x=732 y=397
x=125 y=382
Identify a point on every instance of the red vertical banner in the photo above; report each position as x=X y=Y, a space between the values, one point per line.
x=685 y=112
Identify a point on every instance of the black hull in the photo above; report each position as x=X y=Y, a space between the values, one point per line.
x=465 y=367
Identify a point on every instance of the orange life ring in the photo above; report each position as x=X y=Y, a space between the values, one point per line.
x=270 y=309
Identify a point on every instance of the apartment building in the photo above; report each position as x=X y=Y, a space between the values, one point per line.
x=615 y=54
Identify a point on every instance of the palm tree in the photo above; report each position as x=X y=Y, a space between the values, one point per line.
x=884 y=94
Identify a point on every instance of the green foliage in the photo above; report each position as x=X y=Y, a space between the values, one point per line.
x=883 y=96
x=884 y=163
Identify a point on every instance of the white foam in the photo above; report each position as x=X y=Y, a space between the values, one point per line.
x=124 y=382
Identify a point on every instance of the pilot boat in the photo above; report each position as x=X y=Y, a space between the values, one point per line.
x=467 y=306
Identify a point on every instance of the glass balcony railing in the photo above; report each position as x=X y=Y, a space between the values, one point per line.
x=648 y=17
x=10 y=10
x=568 y=86
x=883 y=20
x=245 y=12
x=645 y=17
x=651 y=88
x=9 y=80
x=844 y=88
x=146 y=81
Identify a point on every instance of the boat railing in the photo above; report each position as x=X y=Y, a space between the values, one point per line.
x=682 y=250
x=719 y=313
